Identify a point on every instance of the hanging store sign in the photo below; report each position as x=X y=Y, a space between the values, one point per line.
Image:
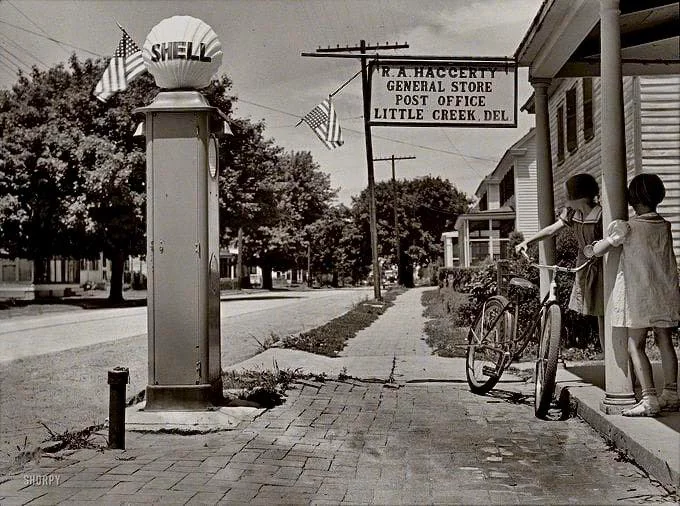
x=447 y=93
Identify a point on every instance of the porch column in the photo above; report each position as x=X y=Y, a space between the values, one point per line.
x=544 y=177
x=618 y=385
x=490 y=225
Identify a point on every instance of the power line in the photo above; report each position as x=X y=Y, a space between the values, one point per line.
x=25 y=50
x=35 y=24
x=379 y=136
x=8 y=70
x=51 y=38
x=19 y=62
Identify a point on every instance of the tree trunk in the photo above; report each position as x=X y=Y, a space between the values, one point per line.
x=309 y=264
x=406 y=271
x=267 y=283
x=239 y=260
x=117 y=267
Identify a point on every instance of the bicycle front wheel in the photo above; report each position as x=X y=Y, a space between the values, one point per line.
x=488 y=340
x=546 y=363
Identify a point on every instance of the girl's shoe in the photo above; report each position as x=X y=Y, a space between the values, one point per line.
x=668 y=401
x=646 y=407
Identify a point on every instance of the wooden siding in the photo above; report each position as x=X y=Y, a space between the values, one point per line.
x=652 y=136
x=587 y=155
x=526 y=192
x=659 y=141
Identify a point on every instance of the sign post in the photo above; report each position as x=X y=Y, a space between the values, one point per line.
x=182 y=220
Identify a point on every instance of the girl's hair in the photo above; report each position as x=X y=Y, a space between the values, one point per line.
x=646 y=189
x=582 y=186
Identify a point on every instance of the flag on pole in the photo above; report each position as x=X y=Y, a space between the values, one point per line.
x=323 y=120
x=126 y=64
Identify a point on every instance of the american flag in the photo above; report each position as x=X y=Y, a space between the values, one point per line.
x=323 y=120
x=126 y=64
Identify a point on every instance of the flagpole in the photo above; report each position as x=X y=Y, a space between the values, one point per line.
x=336 y=92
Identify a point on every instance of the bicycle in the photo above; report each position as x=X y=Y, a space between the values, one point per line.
x=493 y=343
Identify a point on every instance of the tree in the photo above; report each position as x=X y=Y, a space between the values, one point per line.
x=331 y=246
x=248 y=197
x=426 y=207
x=71 y=173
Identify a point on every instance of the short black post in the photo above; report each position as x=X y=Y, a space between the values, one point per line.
x=118 y=379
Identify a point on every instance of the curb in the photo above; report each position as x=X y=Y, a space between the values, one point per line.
x=653 y=445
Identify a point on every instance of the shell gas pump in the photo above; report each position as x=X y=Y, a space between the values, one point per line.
x=182 y=219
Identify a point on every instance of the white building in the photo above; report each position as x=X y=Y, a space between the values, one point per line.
x=506 y=202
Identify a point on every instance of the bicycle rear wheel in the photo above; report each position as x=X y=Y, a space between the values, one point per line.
x=546 y=363
x=488 y=340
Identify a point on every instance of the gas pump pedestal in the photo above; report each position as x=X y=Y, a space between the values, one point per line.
x=182 y=253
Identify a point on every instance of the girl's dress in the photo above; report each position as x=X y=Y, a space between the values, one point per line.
x=587 y=293
x=646 y=291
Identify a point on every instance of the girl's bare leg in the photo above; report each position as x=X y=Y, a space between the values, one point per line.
x=637 y=339
x=669 y=359
x=649 y=404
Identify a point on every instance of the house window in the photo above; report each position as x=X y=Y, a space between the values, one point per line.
x=507 y=186
x=560 y=134
x=8 y=273
x=588 y=108
x=484 y=203
x=572 y=142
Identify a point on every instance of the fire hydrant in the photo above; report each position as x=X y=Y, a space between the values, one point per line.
x=119 y=377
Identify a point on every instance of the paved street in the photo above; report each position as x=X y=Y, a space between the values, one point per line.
x=413 y=441
x=61 y=379
x=53 y=332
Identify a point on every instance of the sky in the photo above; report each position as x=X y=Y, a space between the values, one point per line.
x=262 y=41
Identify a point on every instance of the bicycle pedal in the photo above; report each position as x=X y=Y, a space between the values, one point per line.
x=489 y=371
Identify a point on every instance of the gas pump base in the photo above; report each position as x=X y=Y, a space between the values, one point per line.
x=180 y=397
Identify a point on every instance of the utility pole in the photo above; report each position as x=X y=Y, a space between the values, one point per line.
x=366 y=91
x=397 y=248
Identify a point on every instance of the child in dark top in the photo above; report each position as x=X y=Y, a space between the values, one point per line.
x=583 y=215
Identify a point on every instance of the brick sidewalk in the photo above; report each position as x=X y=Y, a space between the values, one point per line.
x=359 y=442
x=356 y=443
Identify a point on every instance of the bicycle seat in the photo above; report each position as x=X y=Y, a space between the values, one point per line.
x=522 y=283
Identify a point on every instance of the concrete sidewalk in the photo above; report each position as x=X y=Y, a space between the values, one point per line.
x=413 y=435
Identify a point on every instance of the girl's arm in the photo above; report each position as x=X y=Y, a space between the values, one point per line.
x=545 y=232
x=616 y=234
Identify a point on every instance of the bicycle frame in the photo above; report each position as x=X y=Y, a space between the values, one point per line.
x=518 y=345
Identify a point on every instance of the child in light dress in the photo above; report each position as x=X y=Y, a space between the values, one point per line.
x=583 y=215
x=646 y=293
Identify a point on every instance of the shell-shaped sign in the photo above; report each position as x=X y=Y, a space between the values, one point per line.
x=182 y=52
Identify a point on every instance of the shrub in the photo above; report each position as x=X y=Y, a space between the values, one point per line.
x=579 y=331
x=228 y=284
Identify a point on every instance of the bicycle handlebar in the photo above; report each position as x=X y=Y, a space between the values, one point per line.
x=557 y=268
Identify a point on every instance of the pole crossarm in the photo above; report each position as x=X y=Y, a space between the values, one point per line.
x=394 y=158
x=339 y=49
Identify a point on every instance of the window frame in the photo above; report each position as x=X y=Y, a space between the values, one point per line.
x=571 y=119
x=560 y=133
x=587 y=106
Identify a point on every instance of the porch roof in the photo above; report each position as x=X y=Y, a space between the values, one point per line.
x=502 y=213
x=564 y=39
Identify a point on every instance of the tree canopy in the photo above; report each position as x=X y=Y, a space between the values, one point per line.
x=426 y=207
x=72 y=184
